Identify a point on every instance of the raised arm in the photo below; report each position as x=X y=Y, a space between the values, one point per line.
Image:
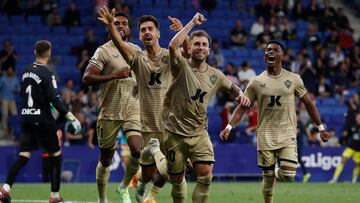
x=178 y=39
x=315 y=116
x=108 y=20
x=235 y=119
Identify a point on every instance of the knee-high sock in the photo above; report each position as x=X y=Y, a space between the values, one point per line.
x=355 y=175
x=201 y=190
x=338 y=171
x=131 y=169
x=161 y=165
x=268 y=188
x=179 y=192
x=102 y=179
x=15 y=168
x=152 y=192
x=55 y=167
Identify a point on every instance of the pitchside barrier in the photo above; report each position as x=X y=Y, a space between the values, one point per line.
x=234 y=162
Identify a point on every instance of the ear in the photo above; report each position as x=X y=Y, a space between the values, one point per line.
x=209 y=51
x=158 y=34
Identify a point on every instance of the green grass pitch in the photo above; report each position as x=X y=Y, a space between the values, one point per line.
x=219 y=193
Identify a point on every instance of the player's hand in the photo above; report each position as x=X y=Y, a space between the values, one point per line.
x=176 y=24
x=224 y=134
x=105 y=16
x=123 y=73
x=74 y=122
x=198 y=19
x=324 y=135
x=243 y=100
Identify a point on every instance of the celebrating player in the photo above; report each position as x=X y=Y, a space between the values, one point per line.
x=38 y=92
x=184 y=115
x=118 y=104
x=154 y=77
x=275 y=90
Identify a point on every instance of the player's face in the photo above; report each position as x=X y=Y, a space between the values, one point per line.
x=122 y=25
x=149 y=35
x=199 y=48
x=273 y=55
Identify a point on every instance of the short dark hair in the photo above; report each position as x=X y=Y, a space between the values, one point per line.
x=200 y=33
x=278 y=43
x=42 y=47
x=121 y=14
x=146 y=18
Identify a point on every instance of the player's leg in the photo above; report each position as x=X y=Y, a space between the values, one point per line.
x=176 y=157
x=28 y=143
x=348 y=153
x=50 y=142
x=132 y=133
x=288 y=163
x=202 y=158
x=151 y=161
x=356 y=170
x=107 y=131
x=266 y=161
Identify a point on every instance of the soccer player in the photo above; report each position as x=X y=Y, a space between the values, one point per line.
x=118 y=104
x=154 y=77
x=352 y=150
x=275 y=90
x=38 y=92
x=184 y=115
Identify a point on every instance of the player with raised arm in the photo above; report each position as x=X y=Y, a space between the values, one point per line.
x=118 y=103
x=152 y=71
x=275 y=90
x=185 y=116
x=38 y=92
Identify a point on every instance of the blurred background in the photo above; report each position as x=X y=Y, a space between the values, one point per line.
x=323 y=47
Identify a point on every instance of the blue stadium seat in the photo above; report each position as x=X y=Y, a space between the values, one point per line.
x=34 y=20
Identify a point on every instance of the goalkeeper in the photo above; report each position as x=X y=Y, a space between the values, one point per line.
x=38 y=92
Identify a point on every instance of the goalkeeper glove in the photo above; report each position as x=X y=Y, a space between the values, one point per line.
x=74 y=122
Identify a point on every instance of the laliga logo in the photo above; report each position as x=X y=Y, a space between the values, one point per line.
x=320 y=161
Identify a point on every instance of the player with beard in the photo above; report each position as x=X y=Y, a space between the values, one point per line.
x=275 y=90
x=151 y=68
x=185 y=117
x=118 y=104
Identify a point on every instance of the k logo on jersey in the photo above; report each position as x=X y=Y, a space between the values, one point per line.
x=213 y=79
x=287 y=83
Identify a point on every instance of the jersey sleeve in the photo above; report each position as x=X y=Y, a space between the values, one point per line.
x=98 y=59
x=135 y=63
x=224 y=82
x=52 y=94
x=250 y=90
x=300 y=89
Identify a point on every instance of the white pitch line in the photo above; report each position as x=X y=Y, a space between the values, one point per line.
x=45 y=201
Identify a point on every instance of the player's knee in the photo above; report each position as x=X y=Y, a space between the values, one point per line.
x=176 y=179
x=136 y=153
x=287 y=175
x=105 y=161
x=268 y=173
x=204 y=180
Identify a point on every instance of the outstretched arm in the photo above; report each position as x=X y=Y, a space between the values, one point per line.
x=178 y=39
x=235 y=119
x=108 y=19
x=315 y=116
